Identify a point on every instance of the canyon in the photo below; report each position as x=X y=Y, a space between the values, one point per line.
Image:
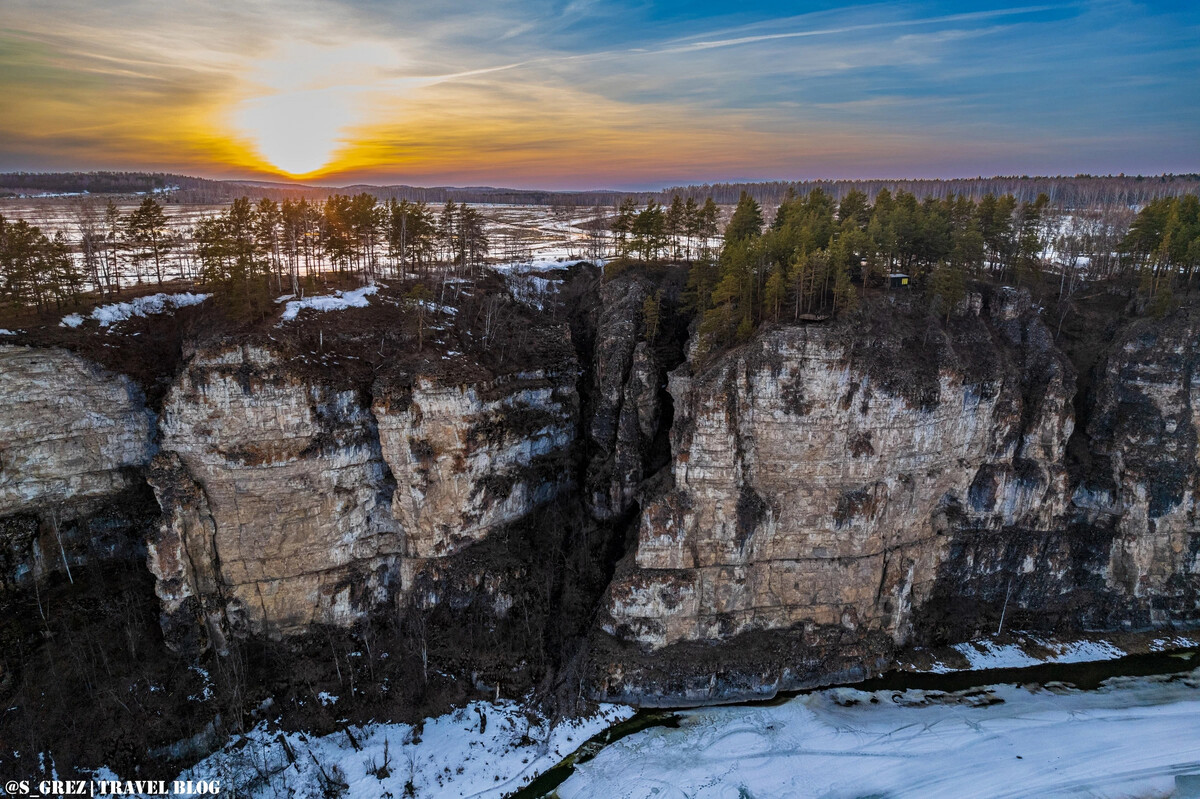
x=616 y=516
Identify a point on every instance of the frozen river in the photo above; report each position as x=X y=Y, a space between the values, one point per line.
x=1131 y=737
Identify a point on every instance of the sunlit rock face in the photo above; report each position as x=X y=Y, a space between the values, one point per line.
x=287 y=502
x=840 y=494
x=276 y=497
x=73 y=438
x=470 y=458
x=811 y=487
x=69 y=430
x=834 y=493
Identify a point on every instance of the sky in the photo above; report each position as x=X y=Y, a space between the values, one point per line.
x=588 y=94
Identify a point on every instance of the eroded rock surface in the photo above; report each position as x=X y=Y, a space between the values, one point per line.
x=1142 y=437
x=624 y=410
x=470 y=458
x=69 y=430
x=279 y=491
x=287 y=502
x=73 y=439
x=861 y=493
x=834 y=492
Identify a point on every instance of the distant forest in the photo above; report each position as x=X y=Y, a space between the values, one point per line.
x=1080 y=191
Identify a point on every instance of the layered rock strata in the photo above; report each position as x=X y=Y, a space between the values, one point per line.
x=73 y=438
x=289 y=503
x=836 y=497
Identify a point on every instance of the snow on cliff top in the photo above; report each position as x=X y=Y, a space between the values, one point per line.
x=141 y=306
x=544 y=264
x=327 y=302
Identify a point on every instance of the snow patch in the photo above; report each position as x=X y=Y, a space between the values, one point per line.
x=545 y=264
x=108 y=315
x=483 y=750
x=990 y=655
x=1175 y=642
x=327 y=302
x=984 y=654
x=449 y=310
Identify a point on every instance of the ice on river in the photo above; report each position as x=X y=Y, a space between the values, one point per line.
x=1130 y=738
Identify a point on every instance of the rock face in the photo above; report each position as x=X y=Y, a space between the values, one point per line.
x=277 y=494
x=73 y=438
x=471 y=458
x=834 y=493
x=806 y=492
x=624 y=410
x=1142 y=436
x=855 y=494
x=288 y=503
x=69 y=430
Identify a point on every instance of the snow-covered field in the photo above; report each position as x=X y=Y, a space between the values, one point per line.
x=483 y=750
x=517 y=233
x=1130 y=738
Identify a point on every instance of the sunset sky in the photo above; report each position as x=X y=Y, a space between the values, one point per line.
x=588 y=94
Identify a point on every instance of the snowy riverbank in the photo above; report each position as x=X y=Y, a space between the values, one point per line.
x=485 y=750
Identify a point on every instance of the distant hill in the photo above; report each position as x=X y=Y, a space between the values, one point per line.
x=1076 y=191
x=188 y=189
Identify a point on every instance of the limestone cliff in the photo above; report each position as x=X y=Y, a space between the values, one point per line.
x=1143 y=488
x=72 y=439
x=832 y=494
x=277 y=493
x=624 y=409
x=469 y=458
x=69 y=430
x=287 y=502
x=839 y=494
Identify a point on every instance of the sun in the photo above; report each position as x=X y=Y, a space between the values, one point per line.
x=305 y=100
x=297 y=132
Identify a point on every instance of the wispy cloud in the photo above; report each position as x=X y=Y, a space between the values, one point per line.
x=583 y=93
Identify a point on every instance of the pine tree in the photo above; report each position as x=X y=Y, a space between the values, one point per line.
x=855 y=209
x=845 y=298
x=651 y=316
x=947 y=285
x=674 y=225
x=622 y=225
x=691 y=225
x=775 y=292
x=746 y=222
x=146 y=229
x=709 y=226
